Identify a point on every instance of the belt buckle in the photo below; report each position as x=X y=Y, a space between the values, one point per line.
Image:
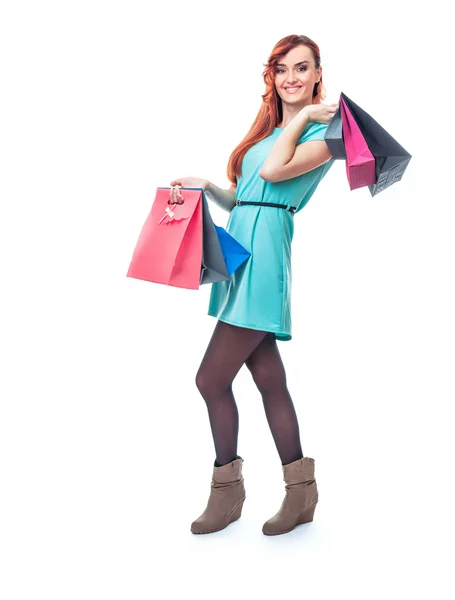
x=237 y=202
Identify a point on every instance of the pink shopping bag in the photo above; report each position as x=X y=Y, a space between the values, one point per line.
x=360 y=163
x=169 y=248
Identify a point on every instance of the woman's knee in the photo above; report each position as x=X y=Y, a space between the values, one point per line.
x=209 y=385
x=267 y=380
x=201 y=381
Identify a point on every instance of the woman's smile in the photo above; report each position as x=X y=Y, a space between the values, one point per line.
x=292 y=90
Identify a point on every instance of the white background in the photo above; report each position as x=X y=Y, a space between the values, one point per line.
x=106 y=451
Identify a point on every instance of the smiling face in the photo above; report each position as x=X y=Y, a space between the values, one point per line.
x=296 y=76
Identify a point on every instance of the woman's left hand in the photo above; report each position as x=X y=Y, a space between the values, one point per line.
x=175 y=195
x=320 y=113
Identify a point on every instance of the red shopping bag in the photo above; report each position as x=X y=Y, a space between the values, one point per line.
x=169 y=248
x=360 y=162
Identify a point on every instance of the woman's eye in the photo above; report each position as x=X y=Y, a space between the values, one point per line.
x=281 y=70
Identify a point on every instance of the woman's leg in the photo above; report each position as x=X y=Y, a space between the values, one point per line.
x=229 y=348
x=269 y=375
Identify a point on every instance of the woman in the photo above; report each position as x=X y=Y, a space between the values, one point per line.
x=281 y=161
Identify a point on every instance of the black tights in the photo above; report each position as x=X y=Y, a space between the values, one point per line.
x=230 y=347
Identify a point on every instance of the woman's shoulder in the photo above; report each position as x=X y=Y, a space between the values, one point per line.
x=314 y=131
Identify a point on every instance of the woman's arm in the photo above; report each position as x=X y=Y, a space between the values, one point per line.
x=284 y=147
x=225 y=199
x=307 y=156
x=286 y=160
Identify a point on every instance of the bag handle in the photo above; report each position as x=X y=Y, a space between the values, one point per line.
x=173 y=187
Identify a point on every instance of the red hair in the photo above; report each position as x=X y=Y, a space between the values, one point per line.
x=271 y=111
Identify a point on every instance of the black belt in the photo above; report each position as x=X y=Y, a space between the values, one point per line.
x=290 y=209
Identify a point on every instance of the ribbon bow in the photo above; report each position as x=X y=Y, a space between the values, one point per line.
x=169 y=212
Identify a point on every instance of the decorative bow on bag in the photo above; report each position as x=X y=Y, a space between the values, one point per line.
x=373 y=157
x=179 y=244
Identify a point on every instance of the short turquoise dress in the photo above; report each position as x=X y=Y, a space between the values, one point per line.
x=258 y=293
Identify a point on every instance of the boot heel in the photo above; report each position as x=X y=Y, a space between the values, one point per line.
x=307 y=515
x=235 y=514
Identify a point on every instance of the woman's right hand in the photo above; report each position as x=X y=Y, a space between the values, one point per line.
x=321 y=113
x=175 y=195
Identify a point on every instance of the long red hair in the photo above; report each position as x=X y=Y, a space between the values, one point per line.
x=271 y=111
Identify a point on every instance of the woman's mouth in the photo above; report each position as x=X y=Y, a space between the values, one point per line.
x=292 y=90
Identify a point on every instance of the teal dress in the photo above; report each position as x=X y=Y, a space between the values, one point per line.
x=258 y=294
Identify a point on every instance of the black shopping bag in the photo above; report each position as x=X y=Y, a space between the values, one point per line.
x=391 y=158
x=221 y=253
x=334 y=136
x=213 y=266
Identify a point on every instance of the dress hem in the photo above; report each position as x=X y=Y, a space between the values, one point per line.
x=286 y=336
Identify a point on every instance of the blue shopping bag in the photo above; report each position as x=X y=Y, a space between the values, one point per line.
x=234 y=254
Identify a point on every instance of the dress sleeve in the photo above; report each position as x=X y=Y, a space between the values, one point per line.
x=316 y=131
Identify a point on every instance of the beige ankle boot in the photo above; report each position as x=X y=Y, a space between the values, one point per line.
x=226 y=498
x=301 y=498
